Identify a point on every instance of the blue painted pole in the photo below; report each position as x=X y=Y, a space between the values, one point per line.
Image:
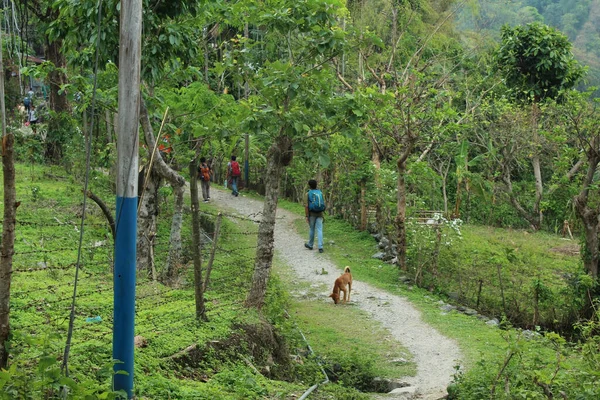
x=124 y=293
x=127 y=188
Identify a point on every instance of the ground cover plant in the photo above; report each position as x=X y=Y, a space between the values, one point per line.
x=176 y=356
x=533 y=279
x=500 y=362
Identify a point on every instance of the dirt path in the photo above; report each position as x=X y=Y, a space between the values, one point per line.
x=434 y=354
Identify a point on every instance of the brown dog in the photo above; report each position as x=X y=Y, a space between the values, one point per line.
x=340 y=285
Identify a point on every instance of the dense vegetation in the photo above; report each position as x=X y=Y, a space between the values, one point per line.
x=576 y=18
x=396 y=114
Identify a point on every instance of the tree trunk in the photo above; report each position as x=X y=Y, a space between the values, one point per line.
x=401 y=214
x=109 y=129
x=8 y=224
x=590 y=217
x=58 y=101
x=57 y=78
x=532 y=219
x=456 y=213
x=8 y=240
x=379 y=220
x=176 y=223
x=276 y=161
x=177 y=181
x=535 y=163
x=197 y=243
x=363 y=207
x=592 y=254
x=146 y=220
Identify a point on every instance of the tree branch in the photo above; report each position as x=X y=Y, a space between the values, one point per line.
x=107 y=213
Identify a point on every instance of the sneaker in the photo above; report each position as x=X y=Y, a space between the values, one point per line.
x=206 y=201
x=307 y=246
x=320 y=250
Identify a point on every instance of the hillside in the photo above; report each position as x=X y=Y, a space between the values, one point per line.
x=578 y=19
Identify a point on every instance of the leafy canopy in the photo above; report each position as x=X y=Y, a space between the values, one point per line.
x=537 y=61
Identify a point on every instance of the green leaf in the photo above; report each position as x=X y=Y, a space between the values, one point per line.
x=45 y=362
x=324 y=160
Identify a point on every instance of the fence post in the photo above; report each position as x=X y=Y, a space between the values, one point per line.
x=479 y=293
x=213 y=251
x=197 y=254
x=501 y=288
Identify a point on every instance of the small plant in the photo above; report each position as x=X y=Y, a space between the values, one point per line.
x=35 y=193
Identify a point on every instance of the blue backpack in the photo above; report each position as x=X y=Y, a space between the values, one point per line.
x=316 y=202
x=26 y=101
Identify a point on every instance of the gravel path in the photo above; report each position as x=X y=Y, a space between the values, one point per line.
x=434 y=354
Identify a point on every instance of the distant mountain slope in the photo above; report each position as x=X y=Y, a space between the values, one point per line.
x=586 y=46
x=578 y=19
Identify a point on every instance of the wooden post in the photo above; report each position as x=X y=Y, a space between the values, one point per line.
x=8 y=223
x=130 y=52
x=501 y=288
x=197 y=243
x=212 y=251
x=363 y=207
x=479 y=293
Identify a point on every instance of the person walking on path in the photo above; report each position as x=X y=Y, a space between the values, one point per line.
x=28 y=103
x=313 y=209
x=204 y=174
x=233 y=173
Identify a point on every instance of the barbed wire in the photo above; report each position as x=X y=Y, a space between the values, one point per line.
x=160 y=310
x=235 y=216
x=45 y=251
x=59 y=267
x=70 y=224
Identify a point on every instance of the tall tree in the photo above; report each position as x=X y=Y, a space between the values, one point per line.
x=292 y=99
x=405 y=90
x=8 y=221
x=580 y=116
x=47 y=21
x=537 y=63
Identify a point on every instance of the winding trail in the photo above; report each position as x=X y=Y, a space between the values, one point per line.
x=435 y=355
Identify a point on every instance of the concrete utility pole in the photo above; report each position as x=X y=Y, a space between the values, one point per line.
x=127 y=177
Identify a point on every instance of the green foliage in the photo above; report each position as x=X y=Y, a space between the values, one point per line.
x=42 y=288
x=537 y=62
x=534 y=367
x=43 y=378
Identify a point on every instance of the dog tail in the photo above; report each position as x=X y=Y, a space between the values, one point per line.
x=347 y=269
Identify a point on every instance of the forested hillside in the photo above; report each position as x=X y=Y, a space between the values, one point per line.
x=578 y=19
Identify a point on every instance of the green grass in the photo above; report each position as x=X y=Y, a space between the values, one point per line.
x=341 y=331
x=42 y=285
x=46 y=250
x=347 y=246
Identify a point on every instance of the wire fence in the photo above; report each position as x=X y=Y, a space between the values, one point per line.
x=43 y=274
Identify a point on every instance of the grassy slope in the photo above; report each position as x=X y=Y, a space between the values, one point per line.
x=46 y=251
x=48 y=235
x=477 y=340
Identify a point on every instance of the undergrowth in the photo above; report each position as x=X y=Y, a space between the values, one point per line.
x=499 y=362
x=234 y=356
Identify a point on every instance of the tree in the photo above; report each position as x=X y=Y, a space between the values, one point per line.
x=292 y=100
x=537 y=64
x=8 y=222
x=580 y=118
x=406 y=93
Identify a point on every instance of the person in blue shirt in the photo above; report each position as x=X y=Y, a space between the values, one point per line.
x=313 y=209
